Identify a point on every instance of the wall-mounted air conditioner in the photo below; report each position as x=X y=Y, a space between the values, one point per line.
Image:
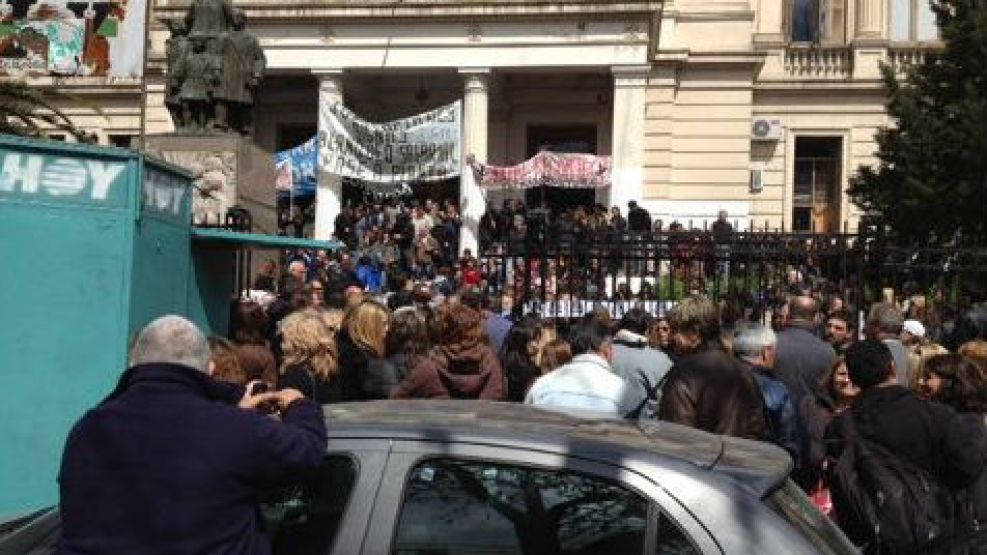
x=765 y=129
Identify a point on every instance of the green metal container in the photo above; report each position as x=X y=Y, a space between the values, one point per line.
x=94 y=244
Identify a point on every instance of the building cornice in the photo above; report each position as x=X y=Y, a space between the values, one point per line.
x=353 y=10
x=737 y=57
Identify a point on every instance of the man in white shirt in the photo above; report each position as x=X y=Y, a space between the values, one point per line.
x=588 y=383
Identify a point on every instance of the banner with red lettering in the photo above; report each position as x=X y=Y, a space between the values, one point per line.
x=548 y=169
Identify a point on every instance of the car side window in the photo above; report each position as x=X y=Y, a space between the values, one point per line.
x=466 y=507
x=303 y=519
x=671 y=540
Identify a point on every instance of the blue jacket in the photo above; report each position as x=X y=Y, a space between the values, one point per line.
x=782 y=416
x=168 y=464
x=371 y=277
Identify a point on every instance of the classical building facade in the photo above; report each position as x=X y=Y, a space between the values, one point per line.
x=763 y=108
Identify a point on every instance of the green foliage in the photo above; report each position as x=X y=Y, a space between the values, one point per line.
x=24 y=111
x=931 y=182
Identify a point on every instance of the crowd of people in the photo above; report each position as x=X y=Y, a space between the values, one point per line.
x=886 y=426
x=794 y=382
x=393 y=241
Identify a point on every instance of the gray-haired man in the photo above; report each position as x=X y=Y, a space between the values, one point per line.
x=754 y=346
x=174 y=461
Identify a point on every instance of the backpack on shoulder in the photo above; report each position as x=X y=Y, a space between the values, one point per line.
x=888 y=505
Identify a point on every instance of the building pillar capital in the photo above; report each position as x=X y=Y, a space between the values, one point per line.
x=330 y=81
x=476 y=79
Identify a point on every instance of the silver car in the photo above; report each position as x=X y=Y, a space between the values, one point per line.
x=461 y=477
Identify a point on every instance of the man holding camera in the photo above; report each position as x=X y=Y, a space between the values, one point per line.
x=174 y=461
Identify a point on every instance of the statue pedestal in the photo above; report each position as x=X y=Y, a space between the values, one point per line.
x=228 y=170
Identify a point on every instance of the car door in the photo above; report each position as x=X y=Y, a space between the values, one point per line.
x=463 y=498
x=328 y=513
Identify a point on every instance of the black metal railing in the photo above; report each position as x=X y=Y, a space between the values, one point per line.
x=563 y=274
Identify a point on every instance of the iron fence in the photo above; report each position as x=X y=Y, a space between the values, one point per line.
x=564 y=274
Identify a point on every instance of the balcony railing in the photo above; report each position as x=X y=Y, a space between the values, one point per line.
x=818 y=62
x=900 y=57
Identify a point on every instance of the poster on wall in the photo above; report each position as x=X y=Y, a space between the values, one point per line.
x=102 y=38
x=425 y=147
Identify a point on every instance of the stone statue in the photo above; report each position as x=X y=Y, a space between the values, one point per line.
x=196 y=76
x=210 y=18
x=243 y=67
x=176 y=48
x=214 y=69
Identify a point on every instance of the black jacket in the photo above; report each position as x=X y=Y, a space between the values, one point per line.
x=304 y=380
x=169 y=464
x=363 y=376
x=929 y=435
x=709 y=390
x=816 y=411
x=972 y=501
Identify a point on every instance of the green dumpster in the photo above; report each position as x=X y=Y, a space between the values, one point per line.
x=95 y=242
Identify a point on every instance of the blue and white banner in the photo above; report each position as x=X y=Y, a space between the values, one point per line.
x=297 y=169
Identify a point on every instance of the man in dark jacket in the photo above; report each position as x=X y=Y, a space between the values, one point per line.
x=174 y=461
x=803 y=359
x=707 y=388
x=754 y=347
x=930 y=436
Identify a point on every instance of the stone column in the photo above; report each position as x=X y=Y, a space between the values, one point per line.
x=869 y=39
x=472 y=201
x=329 y=195
x=869 y=20
x=629 y=88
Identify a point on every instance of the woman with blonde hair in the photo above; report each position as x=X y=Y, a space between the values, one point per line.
x=310 y=357
x=918 y=357
x=976 y=352
x=362 y=341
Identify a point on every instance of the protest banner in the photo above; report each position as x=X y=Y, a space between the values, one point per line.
x=425 y=147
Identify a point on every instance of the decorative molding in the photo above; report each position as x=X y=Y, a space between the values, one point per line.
x=258 y=10
x=628 y=77
x=328 y=34
x=632 y=31
x=474 y=32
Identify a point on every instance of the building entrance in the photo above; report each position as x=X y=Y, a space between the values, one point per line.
x=818 y=178
x=575 y=139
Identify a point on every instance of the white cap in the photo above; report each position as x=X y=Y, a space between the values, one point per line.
x=914 y=327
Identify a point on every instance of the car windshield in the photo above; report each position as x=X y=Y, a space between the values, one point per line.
x=789 y=502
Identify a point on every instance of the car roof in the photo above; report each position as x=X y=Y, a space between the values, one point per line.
x=760 y=467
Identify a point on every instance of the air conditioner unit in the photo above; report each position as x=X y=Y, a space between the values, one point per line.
x=767 y=130
x=757 y=180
